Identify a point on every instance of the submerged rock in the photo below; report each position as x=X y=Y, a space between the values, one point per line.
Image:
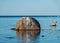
x=53 y=25
x=9 y=37
x=42 y=36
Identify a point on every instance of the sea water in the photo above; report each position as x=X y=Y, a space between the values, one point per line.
x=47 y=35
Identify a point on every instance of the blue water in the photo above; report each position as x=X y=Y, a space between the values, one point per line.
x=47 y=35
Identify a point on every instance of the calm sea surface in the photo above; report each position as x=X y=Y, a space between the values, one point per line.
x=47 y=35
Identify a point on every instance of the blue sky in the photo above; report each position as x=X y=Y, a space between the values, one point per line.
x=29 y=7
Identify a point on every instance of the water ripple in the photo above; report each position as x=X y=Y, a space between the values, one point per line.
x=10 y=37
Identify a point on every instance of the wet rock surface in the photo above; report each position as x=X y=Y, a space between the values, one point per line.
x=28 y=26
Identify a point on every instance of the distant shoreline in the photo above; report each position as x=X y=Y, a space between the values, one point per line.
x=33 y=16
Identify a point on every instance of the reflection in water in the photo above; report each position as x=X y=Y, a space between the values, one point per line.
x=27 y=29
x=26 y=36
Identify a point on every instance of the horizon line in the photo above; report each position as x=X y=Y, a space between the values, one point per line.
x=30 y=16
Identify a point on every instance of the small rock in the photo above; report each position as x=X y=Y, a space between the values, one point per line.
x=42 y=35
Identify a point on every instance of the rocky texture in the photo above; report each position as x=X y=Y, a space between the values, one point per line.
x=28 y=27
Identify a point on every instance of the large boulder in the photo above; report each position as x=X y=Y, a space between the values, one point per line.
x=28 y=27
